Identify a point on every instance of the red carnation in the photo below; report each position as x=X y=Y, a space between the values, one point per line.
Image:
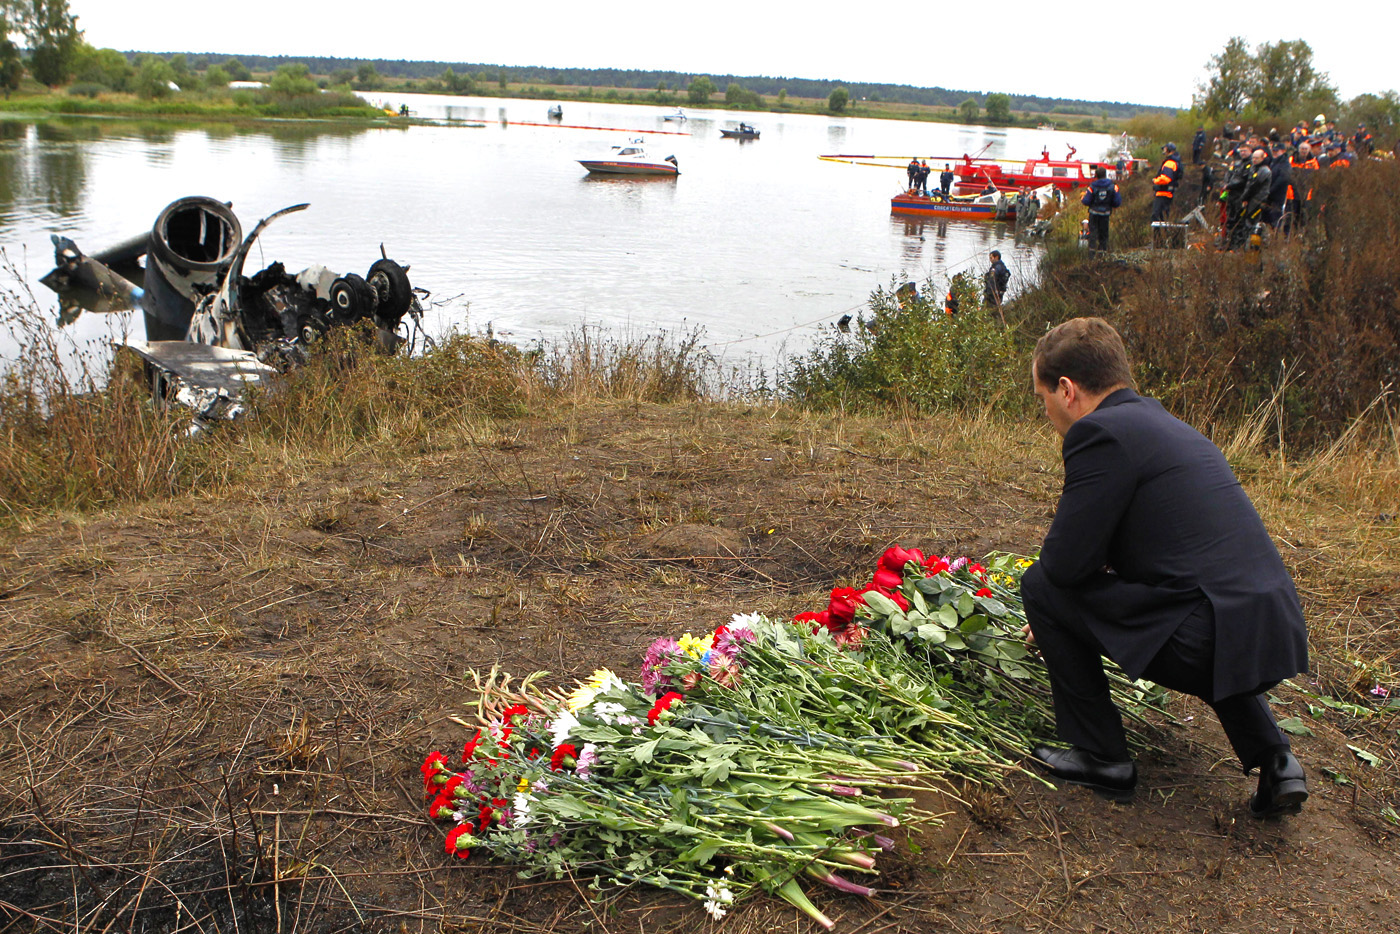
x=819 y=620
x=456 y=848
x=935 y=565
x=663 y=703
x=984 y=592
x=469 y=749
x=565 y=756
x=514 y=710
x=442 y=807
x=433 y=768
x=976 y=570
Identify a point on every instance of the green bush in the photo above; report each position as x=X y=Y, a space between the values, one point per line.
x=913 y=354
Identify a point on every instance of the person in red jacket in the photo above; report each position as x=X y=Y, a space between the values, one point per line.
x=1164 y=185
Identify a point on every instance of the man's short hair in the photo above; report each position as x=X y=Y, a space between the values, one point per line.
x=996 y=253
x=1100 y=172
x=1086 y=350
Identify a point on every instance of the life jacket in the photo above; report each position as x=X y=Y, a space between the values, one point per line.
x=1308 y=165
x=1101 y=197
x=1165 y=182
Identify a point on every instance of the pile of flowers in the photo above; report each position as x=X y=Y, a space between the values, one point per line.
x=764 y=751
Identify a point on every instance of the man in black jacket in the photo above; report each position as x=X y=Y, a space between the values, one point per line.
x=1102 y=197
x=1157 y=559
x=1253 y=196
x=995 y=280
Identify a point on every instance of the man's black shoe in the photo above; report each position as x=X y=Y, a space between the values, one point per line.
x=1282 y=786
x=1081 y=767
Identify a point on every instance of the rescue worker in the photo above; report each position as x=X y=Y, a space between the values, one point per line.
x=950 y=301
x=1102 y=197
x=1279 y=176
x=1164 y=185
x=1230 y=194
x=1337 y=157
x=1363 y=141
x=945 y=179
x=1198 y=145
x=995 y=280
x=1299 y=197
x=923 y=176
x=912 y=170
x=1253 y=197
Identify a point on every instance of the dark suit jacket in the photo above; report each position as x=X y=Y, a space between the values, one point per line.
x=1151 y=498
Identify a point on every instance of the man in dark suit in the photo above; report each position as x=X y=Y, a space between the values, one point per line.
x=1157 y=559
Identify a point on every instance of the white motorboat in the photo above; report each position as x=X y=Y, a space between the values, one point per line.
x=631 y=158
x=678 y=117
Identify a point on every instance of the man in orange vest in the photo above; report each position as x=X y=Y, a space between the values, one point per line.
x=1164 y=185
x=1299 y=196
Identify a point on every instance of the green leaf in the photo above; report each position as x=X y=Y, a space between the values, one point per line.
x=975 y=623
x=966 y=604
x=948 y=616
x=920 y=604
x=1370 y=758
x=992 y=605
x=900 y=624
x=1294 y=727
x=880 y=604
x=717 y=772
x=1013 y=669
x=701 y=853
x=955 y=642
x=645 y=751
x=931 y=586
x=1015 y=651
x=932 y=633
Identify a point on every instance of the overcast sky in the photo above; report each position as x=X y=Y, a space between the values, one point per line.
x=1147 y=53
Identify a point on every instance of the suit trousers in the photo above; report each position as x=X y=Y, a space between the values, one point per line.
x=1085 y=714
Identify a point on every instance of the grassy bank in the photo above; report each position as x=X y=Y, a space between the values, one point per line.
x=221 y=682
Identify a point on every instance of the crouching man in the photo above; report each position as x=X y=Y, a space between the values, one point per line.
x=1157 y=559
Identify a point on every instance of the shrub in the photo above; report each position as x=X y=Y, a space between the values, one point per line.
x=911 y=353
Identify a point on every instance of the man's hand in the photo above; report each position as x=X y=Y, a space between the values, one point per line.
x=1030 y=636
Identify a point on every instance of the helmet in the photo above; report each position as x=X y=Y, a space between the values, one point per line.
x=1170 y=147
x=1320 y=118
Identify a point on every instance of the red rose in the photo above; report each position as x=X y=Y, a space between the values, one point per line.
x=842 y=607
x=887 y=580
x=935 y=565
x=895 y=558
x=984 y=592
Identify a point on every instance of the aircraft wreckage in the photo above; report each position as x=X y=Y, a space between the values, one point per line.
x=211 y=330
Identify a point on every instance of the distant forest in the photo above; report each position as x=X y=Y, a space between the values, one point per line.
x=677 y=81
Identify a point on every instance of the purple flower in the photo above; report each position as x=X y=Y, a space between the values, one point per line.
x=731 y=642
x=654 y=680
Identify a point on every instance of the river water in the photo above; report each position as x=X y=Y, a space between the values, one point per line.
x=758 y=243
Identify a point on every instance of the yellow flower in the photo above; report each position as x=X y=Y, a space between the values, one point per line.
x=1024 y=562
x=524 y=785
x=695 y=647
x=583 y=695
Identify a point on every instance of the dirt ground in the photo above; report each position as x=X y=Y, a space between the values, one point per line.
x=213 y=708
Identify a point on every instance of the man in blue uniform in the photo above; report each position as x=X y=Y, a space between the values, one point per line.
x=1164 y=184
x=1157 y=559
x=1198 y=145
x=945 y=179
x=1102 y=197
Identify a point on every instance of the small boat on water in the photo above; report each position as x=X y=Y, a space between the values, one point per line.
x=677 y=117
x=985 y=207
x=974 y=175
x=631 y=158
x=991 y=205
x=745 y=131
x=1047 y=127
x=556 y=112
